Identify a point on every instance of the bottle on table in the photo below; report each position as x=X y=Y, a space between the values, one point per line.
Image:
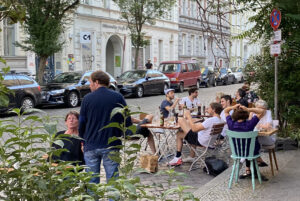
x=199 y=110
x=204 y=110
x=180 y=111
x=161 y=121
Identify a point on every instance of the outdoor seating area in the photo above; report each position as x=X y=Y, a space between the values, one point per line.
x=179 y=129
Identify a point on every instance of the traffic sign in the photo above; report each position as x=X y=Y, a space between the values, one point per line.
x=277 y=35
x=275 y=19
x=85 y=37
x=275 y=49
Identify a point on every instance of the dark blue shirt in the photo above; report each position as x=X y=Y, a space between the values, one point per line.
x=95 y=113
x=163 y=109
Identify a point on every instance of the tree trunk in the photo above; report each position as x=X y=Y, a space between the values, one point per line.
x=41 y=69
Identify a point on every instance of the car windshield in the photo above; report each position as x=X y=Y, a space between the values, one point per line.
x=169 y=68
x=223 y=71
x=133 y=75
x=67 y=78
x=204 y=71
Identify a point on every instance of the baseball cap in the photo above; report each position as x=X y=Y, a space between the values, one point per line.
x=168 y=90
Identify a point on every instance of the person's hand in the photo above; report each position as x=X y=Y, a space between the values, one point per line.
x=243 y=107
x=236 y=106
x=187 y=113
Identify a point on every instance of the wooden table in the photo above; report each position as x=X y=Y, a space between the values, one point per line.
x=164 y=147
x=267 y=133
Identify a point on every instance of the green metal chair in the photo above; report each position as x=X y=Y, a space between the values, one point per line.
x=240 y=148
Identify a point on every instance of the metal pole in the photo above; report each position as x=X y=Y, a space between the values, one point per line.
x=276 y=89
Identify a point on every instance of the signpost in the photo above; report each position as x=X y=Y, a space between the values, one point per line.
x=275 y=19
x=85 y=37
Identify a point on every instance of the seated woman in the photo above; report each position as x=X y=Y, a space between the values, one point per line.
x=240 y=97
x=239 y=122
x=73 y=145
x=265 y=123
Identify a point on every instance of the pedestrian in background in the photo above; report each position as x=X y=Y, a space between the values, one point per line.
x=95 y=113
x=149 y=64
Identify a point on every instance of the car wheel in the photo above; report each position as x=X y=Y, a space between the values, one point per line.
x=198 y=84
x=234 y=81
x=181 y=88
x=207 y=84
x=215 y=83
x=27 y=103
x=242 y=79
x=73 y=99
x=139 y=91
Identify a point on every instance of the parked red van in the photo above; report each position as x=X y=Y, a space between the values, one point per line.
x=182 y=74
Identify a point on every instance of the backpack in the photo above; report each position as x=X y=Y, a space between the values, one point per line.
x=215 y=166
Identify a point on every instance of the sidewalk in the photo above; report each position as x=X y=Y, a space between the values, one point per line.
x=284 y=185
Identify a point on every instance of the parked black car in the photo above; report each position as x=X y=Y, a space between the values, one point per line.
x=69 y=88
x=208 y=77
x=225 y=77
x=141 y=82
x=26 y=92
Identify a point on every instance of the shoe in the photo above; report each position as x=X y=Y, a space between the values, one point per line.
x=175 y=161
x=246 y=175
x=262 y=164
x=188 y=159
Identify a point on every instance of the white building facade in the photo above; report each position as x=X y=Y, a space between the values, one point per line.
x=196 y=41
x=241 y=49
x=98 y=39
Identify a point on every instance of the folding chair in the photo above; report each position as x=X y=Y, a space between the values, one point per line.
x=216 y=130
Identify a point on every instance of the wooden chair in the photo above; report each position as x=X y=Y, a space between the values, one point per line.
x=240 y=148
x=216 y=130
x=271 y=149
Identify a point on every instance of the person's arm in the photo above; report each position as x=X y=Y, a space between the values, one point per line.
x=170 y=108
x=82 y=119
x=135 y=120
x=228 y=109
x=258 y=111
x=194 y=126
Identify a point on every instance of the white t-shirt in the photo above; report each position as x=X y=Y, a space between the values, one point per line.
x=204 y=135
x=222 y=115
x=190 y=103
x=266 y=119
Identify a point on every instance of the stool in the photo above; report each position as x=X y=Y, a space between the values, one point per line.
x=271 y=149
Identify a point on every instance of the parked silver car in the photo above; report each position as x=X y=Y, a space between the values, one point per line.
x=238 y=74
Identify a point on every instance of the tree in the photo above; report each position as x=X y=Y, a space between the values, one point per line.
x=13 y=10
x=44 y=23
x=137 y=13
x=289 y=59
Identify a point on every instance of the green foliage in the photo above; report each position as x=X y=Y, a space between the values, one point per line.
x=26 y=175
x=44 y=24
x=12 y=9
x=138 y=13
x=288 y=61
x=4 y=91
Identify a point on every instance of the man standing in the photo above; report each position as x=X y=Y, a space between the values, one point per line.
x=191 y=101
x=95 y=113
x=167 y=105
x=148 y=64
x=196 y=134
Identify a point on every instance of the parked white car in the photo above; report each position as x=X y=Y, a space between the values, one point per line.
x=238 y=74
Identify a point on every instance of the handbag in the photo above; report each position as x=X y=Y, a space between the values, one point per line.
x=215 y=166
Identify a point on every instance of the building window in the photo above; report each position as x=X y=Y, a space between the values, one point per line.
x=200 y=45
x=183 y=44
x=8 y=37
x=160 y=51
x=192 y=45
x=184 y=7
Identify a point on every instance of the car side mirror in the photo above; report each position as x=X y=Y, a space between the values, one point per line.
x=83 y=82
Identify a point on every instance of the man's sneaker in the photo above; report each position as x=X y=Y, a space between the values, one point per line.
x=175 y=161
x=188 y=159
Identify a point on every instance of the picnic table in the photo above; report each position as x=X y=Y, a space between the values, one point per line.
x=165 y=146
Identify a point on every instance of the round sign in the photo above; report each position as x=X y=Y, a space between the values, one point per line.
x=275 y=19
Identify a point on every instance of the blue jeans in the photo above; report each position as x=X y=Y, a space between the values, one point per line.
x=93 y=160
